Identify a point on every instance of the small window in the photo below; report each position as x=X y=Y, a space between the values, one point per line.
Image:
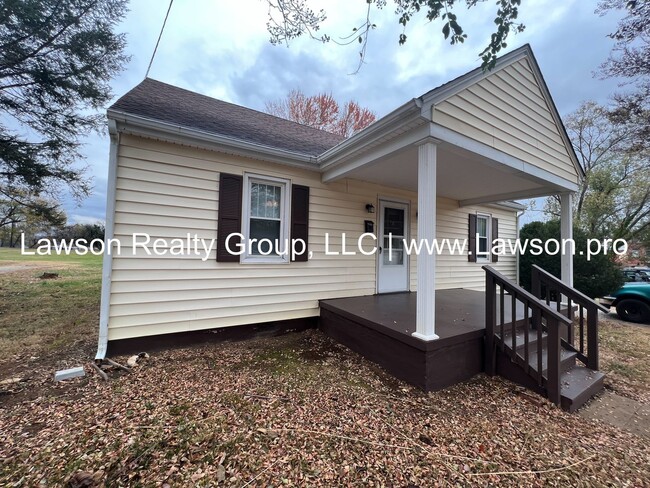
x=483 y=231
x=265 y=219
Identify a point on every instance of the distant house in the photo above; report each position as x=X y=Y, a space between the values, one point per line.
x=445 y=165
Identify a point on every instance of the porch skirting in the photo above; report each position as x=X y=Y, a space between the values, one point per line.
x=379 y=327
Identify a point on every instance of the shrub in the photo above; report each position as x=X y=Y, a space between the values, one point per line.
x=595 y=278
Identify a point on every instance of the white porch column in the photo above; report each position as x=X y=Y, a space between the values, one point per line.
x=426 y=294
x=566 y=232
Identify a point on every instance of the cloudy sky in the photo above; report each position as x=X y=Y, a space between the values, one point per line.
x=221 y=48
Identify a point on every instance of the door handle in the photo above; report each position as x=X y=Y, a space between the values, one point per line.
x=380 y=249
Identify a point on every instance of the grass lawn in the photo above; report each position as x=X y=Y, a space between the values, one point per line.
x=295 y=410
x=42 y=316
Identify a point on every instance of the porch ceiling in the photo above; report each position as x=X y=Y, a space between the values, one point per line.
x=462 y=175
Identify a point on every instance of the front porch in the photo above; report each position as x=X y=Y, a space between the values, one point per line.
x=380 y=328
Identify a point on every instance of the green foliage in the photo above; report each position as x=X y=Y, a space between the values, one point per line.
x=56 y=60
x=289 y=20
x=595 y=278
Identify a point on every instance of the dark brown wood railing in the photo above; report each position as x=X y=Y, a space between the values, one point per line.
x=549 y=288
x=536 y=317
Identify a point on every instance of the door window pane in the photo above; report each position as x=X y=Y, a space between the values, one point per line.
x=394 y=256
x=394 y=221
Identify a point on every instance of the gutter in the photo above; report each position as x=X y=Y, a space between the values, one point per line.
x=139 y=125
x=109 y=230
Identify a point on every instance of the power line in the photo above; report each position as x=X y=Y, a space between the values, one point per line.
x=153 y=55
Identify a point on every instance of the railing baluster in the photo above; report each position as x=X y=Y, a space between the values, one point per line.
x=553 y=361
x=526 y=332
x=537 y=320
x=501 y=316
x=582 y=329
x=513 y=322
x=592 y=337
x=570 y=312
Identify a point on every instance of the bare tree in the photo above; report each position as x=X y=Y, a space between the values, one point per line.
x=614 y=198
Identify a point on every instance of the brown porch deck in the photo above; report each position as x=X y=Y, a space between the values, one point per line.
x=379 y=327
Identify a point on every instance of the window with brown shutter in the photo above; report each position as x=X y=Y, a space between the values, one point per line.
x=257 y=207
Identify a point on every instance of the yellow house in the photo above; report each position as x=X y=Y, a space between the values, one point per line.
x=198 y=188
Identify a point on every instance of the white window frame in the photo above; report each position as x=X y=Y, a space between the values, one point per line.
x=285 y=205
x=484 y=257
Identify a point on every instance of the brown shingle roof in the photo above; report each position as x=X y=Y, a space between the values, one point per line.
x=166 y=103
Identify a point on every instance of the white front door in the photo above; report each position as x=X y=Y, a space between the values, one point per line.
x=393 y=267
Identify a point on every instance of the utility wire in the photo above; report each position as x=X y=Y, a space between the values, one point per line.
x=153 y=55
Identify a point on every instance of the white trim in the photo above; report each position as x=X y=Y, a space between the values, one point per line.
x=498 y=199
x=400 y=142
x=508 y=205
x=285 y=201
x=109 y=229
x=528 y=170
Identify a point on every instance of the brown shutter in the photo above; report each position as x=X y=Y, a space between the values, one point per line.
x=495 y=235
x=300 y=218
x=229 y=222
x=471 y=255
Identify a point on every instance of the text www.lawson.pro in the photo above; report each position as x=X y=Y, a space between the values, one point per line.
x=339 y=245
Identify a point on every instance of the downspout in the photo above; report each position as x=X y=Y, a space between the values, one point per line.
x=107 y=264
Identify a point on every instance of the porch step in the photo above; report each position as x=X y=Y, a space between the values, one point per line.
x=567 y=360
x=577 y=385
x=520 y=340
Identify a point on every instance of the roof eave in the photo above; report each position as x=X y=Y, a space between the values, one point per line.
x=411 y=110
x=147 y=127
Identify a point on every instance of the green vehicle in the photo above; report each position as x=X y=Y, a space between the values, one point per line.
x=632 y=301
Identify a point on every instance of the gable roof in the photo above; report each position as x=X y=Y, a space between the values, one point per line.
x=475 y=76
x=162 y=102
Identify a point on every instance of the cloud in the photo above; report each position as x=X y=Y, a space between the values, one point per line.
x=221 y=49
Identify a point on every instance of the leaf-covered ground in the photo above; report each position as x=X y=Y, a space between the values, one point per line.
x=299 y=410
x=625 y=358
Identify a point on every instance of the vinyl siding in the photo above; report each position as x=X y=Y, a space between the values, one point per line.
x=507 y=111
x=168 y=191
